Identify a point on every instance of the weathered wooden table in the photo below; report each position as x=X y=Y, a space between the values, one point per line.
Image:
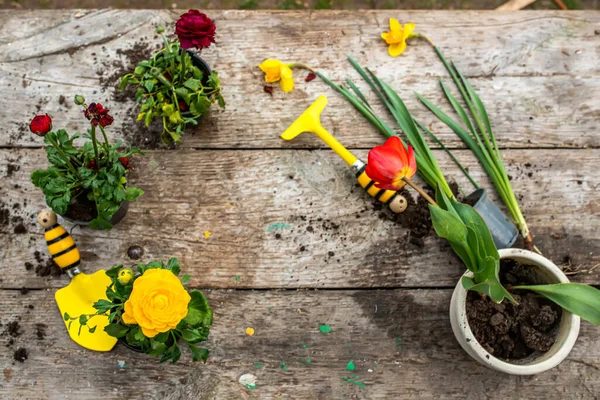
x=294 y=244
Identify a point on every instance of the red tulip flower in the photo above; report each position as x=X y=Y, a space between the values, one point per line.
x=389 y=165
x=195 y=29
x=41 y=124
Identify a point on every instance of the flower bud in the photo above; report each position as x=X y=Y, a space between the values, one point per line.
x=79 y=100
x=160 y=29
x=41 y=125
x=125 y=276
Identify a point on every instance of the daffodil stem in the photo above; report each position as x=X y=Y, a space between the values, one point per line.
x=421 y=191
x=301 y=65
x=420 y=35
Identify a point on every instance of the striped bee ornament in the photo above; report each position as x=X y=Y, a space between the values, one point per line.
x=61 y=245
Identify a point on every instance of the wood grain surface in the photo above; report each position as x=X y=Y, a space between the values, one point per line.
x=294 y=243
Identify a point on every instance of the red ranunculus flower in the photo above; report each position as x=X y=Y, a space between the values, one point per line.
x=92 y=165
x=390 y=164
x=41 y=124
x=124 y=161
x=182 y=105
x=98 y=115
x=195 y=29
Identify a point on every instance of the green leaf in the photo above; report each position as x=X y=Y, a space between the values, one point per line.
x=124 y=81
x=149 y=85
x=157 y=348
x=199 y=310
x=93 y=329
x=132 y=193
x=185 y=278
x=66 y=317
x=139 y=335
x=102 y=306
x=199 y=106
x=191 y=335
x=116 y=330
x=198 y=353
x=473 y=220
x=448 y=226
x=162 y=337
x=113 y=272
x=582 y=300
x=192 y=84
x=83 y=319
x=173 y=266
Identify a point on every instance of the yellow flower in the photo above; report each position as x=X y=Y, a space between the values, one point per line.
x=396 y=37
x=125 y=276
x=158 y=302
x=275 y=71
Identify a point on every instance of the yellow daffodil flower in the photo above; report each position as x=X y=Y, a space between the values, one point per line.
x=275 y=71
x=396 y=37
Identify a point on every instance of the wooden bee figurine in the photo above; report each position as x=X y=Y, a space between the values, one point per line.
x=61 y=245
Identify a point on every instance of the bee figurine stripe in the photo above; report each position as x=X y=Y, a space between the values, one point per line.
x=61 y=245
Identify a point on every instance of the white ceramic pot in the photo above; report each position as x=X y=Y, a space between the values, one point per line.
x=568 y=329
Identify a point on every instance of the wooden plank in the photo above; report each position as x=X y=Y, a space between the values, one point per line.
x=539 y=89
x=259 y=206
x=399 y=340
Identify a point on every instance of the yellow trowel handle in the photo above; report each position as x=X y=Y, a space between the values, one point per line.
x=310 y=121
x=61 y=245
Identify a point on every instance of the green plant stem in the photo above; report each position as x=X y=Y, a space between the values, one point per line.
x=62 y=154
x=183 y=66
x=421 y=191
x=95 y=143
x=107 y=145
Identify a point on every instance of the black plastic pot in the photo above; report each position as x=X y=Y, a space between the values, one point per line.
x=503 y=231
x=205 y=68
x=169 y=343
x=115 y=219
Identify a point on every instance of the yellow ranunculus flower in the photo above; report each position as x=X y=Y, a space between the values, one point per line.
x=275 y=71
x=125 y=276
x=158 y=302
x=396 y=37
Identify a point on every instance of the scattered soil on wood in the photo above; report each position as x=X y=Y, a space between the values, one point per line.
x=13 y=328
x=134 y=132
x=21 y=354
x=45 y=267
x=510 y=331
x=40 y=331
x=415 y=218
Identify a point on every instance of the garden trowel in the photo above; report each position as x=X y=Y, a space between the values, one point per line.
x=310 y=121
x=83 y=291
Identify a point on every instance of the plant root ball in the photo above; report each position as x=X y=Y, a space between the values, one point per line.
x=399 y=204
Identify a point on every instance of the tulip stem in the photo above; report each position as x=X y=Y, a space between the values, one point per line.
x=421 y=191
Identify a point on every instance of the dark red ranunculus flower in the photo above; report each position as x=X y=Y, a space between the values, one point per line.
x=124 y=161
x=41 y=124
x=92 y=164
x=98 y=115
x=195 y=29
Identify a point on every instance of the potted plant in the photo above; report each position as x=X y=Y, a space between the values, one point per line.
x=151 y=311
x=176 y=85
x=531 y=332
x=85 y=185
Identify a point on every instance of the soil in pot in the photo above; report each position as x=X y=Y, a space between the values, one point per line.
x=514 y=332
x=82 y=209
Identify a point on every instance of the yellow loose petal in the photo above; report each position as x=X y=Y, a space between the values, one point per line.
x=250 y=331
x=272 y=70
x=395 y=25
x=287 y=82
x=396 y=49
